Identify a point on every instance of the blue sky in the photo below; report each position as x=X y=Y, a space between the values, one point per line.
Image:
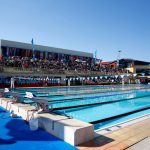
x=87 y=25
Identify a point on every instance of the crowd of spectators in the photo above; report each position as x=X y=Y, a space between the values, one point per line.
x=45 y=64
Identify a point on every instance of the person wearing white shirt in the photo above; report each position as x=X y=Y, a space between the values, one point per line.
x=12 y=83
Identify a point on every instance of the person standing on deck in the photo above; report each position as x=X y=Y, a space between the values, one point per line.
x=12 y=83
x=69 y=82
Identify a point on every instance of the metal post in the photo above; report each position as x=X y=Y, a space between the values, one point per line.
x=32 y=42
x=118 y=57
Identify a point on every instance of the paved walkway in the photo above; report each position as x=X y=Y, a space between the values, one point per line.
x=143 y=145
x=120 y=139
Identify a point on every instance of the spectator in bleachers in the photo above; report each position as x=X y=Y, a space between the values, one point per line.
x=56 y=64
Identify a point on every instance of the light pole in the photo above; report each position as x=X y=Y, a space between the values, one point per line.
x=95 y=56
x=118 y=57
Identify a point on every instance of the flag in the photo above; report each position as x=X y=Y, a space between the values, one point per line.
x=95 y=56
x=32 y=42
x=7 y=52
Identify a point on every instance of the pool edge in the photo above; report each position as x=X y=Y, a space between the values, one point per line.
x=72 y=131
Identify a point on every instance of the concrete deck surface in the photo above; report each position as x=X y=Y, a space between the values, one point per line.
x=121 y=139
x=142 y=145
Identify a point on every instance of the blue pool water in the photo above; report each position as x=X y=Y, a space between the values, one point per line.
x=100 y=112
x=79 y=90
x=98 y=98
x=119 y=120
x=101 y=105
x=15 y=134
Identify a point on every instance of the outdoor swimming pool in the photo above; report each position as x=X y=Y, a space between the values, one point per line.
x=102 y=106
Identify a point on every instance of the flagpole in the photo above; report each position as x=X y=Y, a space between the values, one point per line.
x=95 y=56
x=33 y=48
x=118 y=57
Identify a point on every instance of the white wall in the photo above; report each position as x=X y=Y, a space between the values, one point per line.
x=44 y=48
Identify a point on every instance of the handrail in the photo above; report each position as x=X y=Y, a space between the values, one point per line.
x=42 y=103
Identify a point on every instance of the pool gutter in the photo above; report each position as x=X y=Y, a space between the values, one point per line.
x=120 y=125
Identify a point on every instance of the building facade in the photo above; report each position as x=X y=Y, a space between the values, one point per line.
x=12 y=48
x=135 y=66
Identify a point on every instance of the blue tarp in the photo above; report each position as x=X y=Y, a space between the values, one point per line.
x=15 y=134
